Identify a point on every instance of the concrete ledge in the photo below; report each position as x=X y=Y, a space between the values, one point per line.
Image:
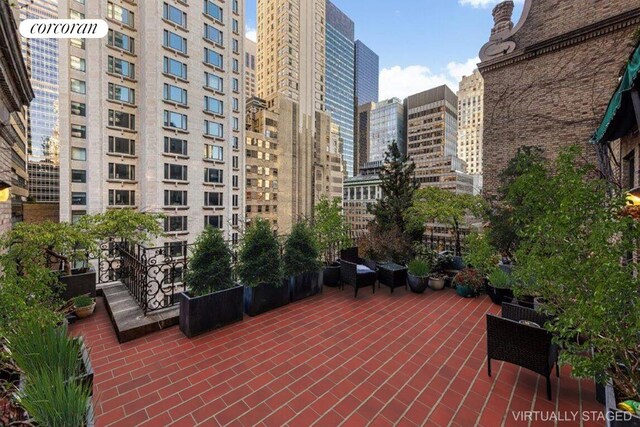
x=127 y=317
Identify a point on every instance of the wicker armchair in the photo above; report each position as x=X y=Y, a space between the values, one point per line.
x=349 y=274
x=527 y=346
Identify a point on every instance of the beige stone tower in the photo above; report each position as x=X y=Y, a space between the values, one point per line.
x=470 y=123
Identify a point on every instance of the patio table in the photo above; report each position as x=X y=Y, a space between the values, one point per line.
x=392 y=275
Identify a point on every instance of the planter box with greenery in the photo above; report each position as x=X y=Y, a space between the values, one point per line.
x=418 y=276
x=79 y=282
x=212 y=299
x=260 y=270
x=301 y=263
x=332 y=234
x=499 y=287
x=468 y=283
x=615 y=416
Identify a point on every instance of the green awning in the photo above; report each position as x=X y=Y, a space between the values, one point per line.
x=620 y=117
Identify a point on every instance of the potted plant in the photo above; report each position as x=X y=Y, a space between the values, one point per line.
x=499 y=286
x=301 y=263
x=260 y=270
x=332 y=235
x=418 y=275
x=212 y=299
x=468 y=283
x=84 y=306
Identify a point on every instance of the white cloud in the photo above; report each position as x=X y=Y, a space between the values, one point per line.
x=482 y=3
x=401 y=82
x=251 y=34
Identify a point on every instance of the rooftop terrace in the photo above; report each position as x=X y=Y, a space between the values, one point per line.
x=401 y=359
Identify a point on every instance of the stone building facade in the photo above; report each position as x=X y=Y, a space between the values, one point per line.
x=548 y=78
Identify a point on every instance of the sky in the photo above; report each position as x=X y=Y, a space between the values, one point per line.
x=421 y=43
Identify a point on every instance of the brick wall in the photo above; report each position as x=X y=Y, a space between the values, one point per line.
x=40 y=212
x=553 y=94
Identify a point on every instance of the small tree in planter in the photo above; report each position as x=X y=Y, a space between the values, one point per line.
x=213 y=300
x=301 y=263
x=260 y=270
x=332 y=235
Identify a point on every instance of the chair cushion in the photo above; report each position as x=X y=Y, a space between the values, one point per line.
x=364 y=269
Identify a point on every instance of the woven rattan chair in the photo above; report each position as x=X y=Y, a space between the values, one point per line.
x=349 y=274
x=524 y=345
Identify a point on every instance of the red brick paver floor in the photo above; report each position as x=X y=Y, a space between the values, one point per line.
x=382 y=360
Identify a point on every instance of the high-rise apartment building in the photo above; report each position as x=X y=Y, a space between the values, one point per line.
x=367 y=74
x=41 y=56
x=470 y=122
x=386 y=126
x=360 y=193
x=292 y=80
x=432 y=122
x=15 y=94
x=250 y=81
x=340 y=84
x=152 y=116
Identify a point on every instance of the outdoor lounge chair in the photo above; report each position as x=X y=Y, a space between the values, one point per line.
x=356 y=272
x=524 y=345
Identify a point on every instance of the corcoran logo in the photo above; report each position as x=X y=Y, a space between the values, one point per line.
x=63 y=28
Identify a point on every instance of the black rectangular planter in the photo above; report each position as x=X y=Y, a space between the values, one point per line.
x=263 y=298
x=78 y=284
x=304 y=285
x=202 y=314
x=616 y=417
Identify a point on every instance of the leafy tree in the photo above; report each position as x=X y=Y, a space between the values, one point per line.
x=446 y=207
x=332 y=232
x=259 y=256
x=122 y=224
x=480 y=254
x=301 y=251
x=398 y=186
x=210 y=265
x=571 y=253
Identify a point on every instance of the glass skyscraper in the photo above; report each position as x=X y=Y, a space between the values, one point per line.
x=386 y=126
x=340 y=85
x=367 y=74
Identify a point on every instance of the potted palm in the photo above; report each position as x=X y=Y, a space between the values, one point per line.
x=332 y=235
x=260 y=270
x=213 y=300
x=468 y=283
x=418 y=275
x=301 y=263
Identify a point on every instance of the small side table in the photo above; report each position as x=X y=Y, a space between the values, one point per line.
x=392 y=275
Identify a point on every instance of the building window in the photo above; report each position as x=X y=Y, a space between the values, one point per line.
x=213 y=129
x=121 y=67
x=76 y=215
x=213 y=176
x=78 y=86
x=234 y=181
x=175 y=94
x=212 y=57
x=236 y=143
x=175 y=42
x=175 y=15
x=74 y=14
x=235 y=65
x=212 y=34
x=213 y=199
x=215 y=221
x=236 y=124
x=79 y=131
x=235 y=200
x=120 y=14
x=78 y=198
x=175 y=250
x=175 y=120
x=122 y=172
x=235 y=27
x=122 y=93
x=77 y=43
x=175 y=224
x=235 y=46
x=175 y=146
x=78 y=109
x=78 y=176
x=122 y=197
x=213 y=152
x=234 y=220
x=175 y=68
x=235 y=85
x=214 y=82
x=78 y=63
x=234 y=162
x=121 y=119
x=175 y=172
x=121 y=41
x=122 y=145
x=213 y=105
x=175 y=198
x=78 y=154
x=213 y=10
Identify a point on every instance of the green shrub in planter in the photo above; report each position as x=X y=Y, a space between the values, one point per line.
x=500 y=286
x=260 y=269
x=468 y=283
x=212 y=299
x=301 y=263
x=418 y=275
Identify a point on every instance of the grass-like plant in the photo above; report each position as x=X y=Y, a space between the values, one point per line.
x=38 y=349
x=501 y=279
x=210 y=266
x=301 y=251
x=52 y=401
x=82 y=301
x=259 y=257
x=418 y=268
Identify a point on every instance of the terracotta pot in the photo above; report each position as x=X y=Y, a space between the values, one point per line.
x=87 y=311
